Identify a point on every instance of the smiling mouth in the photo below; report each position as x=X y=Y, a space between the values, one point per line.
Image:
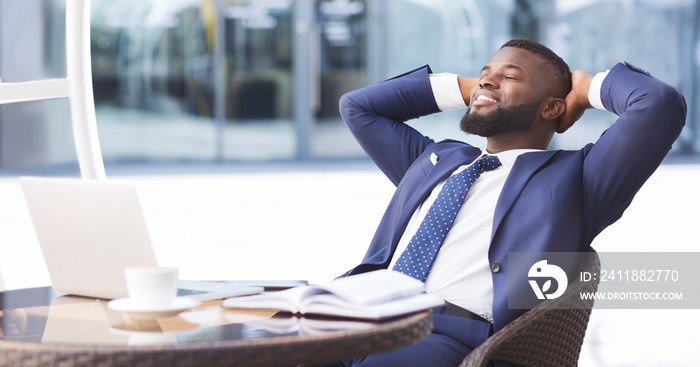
x=485 y=98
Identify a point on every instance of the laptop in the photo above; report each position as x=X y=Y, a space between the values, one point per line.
x=90 y=230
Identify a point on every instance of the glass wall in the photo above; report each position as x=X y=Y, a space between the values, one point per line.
x=257 y=68
x=342 y=66
x=460 y=36
x=155 y=71
x=259 y=80
x=217 y=80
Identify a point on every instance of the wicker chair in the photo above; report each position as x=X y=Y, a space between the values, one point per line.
x=550 y=334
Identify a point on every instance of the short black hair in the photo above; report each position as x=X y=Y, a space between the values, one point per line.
x=562 y=73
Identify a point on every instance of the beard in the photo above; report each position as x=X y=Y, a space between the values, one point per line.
x=501 y=121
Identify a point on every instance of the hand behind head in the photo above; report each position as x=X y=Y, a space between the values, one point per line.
x=576 y=101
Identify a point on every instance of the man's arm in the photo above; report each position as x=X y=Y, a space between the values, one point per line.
x=651 y=116
x=376 y=115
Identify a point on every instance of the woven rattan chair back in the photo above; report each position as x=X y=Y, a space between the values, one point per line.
x=549 y=335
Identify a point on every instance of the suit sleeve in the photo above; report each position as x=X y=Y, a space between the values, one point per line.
x=376 y=116
x=651 y=116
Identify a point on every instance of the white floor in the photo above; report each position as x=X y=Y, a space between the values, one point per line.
x=315 y=225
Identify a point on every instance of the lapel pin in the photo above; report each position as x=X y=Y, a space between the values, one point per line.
x=433 y=158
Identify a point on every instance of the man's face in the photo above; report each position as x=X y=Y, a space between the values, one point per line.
x=508 y=98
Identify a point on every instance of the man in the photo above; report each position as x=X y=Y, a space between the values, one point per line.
x=527 y=200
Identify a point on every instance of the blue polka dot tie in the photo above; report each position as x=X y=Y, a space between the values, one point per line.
x=420 y=253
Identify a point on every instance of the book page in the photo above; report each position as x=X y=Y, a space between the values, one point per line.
x=286 y=300
x=309 y=326
x=374 y=287
x=374 y=295
x=328 y=304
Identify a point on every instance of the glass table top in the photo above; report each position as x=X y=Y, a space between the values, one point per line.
x=41 y=315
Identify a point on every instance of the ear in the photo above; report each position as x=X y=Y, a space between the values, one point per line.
x=554 y=108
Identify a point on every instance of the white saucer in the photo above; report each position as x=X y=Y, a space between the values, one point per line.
x=136 y=311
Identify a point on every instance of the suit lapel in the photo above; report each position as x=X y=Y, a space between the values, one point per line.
x=524 y=167
x=447 y=163
x=441 y=170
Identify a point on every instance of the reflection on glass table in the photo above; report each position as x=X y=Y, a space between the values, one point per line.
x=39 y=324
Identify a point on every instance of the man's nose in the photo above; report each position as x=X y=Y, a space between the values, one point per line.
x=488 y=81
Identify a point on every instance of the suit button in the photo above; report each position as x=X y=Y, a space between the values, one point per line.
x=495 y=267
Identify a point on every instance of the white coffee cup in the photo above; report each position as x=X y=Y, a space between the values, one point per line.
x=151 y=287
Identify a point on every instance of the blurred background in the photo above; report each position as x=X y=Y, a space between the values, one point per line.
x=224 y=114
x=204 y=81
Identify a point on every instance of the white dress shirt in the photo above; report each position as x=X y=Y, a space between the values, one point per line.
x=461 y=273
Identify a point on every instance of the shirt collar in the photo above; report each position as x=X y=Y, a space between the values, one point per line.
x=508 y=157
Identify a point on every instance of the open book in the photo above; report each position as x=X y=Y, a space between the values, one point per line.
x=309 y=326
x=375 y=295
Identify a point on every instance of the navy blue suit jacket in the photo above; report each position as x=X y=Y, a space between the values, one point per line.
x=552 y=201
